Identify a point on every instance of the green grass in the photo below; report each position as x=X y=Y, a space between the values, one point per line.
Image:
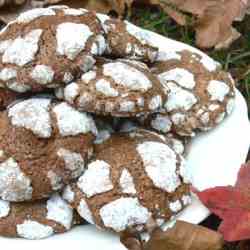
x=235 y=59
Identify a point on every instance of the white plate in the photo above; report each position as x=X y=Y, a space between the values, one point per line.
x=215 y=158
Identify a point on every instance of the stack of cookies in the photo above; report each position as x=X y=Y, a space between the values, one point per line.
x=94 y=123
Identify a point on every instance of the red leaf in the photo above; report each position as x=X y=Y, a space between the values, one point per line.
x=220 y=200
x=236 y=225
x=232 y=205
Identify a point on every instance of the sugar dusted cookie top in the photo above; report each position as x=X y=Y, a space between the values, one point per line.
x=136 y=177
x=117 y=88
x=49 y=47
x=125 y=40
x=35 y=220
x=199 y=96
x=44 y=145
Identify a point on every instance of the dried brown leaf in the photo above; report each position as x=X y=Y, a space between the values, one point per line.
x=214 y=19
x=4 y=3
x=185 y=236
x=131 y=241
x=176 y=15
x=214 y=27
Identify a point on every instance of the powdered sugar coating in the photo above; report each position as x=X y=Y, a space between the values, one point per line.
x=178 y=118
x=102 y=136
x=123 y=213
x=103 y=86
x=4 y=208
x=32 y=114
x=42 y=74
x=23 y=50
x=85 y=99
x=87 y=77
x=181 y=76
x=58 y=210
x=166 y=56
x=18 y=87
x=73 y=162
x=4 y=45
x=84 y=211
x=179 y=98
x=127 y=183
x=7 y=74
x=34 y=230
x=55 y=180
x=127 y=106
x=155 y=103
x=68 y=77
x=96 y=179
x=74 y=42
x=175 y=206
x=161 y=123
x=87 y=63
x=186 y=199
x=71 y=91
x=160 y=164
x=127 y=76
x=74 y=12
x=217 y=90
x=209 y=63
x=68 y=194
x=205 y=118
x=99 y=46
x=72 y=122
x=14 y=185
x=31 y=15
x=178 y=146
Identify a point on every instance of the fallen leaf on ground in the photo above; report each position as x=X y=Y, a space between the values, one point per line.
x=11 y=2
x=232 y=205
x=131 y=241
x=185 y=236
x=214 y=18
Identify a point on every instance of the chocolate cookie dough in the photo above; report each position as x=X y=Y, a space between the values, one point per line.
x=135 y=179
x=36 y=220
x=43 y=145
x=7 y=97
x=125 y=40
x=49 y=47
x=200 y=94
x=122 y=88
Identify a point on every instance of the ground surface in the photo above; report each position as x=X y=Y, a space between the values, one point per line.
x=235 y=59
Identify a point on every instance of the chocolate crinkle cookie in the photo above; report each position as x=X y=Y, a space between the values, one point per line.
x=49 y=47
x=120 y=88
x=107 y=126
x=36 y=220
x=200 y=95
x=44 y=145
x=120 y=191
x=95 y=123
x=126 y=40
x=7 y=97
